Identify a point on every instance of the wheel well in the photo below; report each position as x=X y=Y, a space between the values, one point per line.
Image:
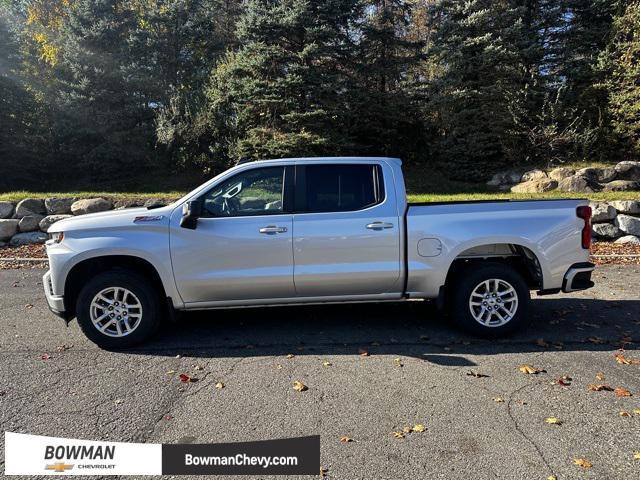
x=520 y=258
x=86 y=269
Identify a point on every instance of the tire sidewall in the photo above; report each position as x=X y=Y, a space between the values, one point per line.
x=469 y=279
x=140 y=287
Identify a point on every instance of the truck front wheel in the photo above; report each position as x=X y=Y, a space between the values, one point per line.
x=118 y=309
x=490 y=299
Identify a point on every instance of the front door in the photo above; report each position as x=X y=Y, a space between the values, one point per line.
x=241 y=248
x=346 y=231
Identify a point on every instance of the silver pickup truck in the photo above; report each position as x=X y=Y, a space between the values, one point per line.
x=313 y=230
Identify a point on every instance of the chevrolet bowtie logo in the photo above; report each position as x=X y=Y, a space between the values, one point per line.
x=59 y=467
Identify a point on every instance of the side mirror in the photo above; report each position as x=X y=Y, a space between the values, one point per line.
x=191 y=211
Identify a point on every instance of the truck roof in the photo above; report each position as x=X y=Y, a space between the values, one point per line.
x=324 y=159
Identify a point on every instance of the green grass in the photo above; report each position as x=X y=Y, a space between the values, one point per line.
x=449 y=197
x=16 y=196
x=414 y=196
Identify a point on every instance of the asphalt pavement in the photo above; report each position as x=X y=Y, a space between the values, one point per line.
x=370 y=371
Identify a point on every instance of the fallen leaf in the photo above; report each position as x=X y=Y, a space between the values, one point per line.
x=418 y=427
x=118 y=401
x=636 y=455
x=171 y=372
x=625 y=361
x=582 y=462
x=565 y=381
x=599 y=388
x=624 y=413
x=498 y=400
x=45 y=356
x=28 y=306
x=621 y=360
x=363 y=353
x=299 y=386
x=398 y=434
x=279 y=367
x=552 y=477
x=323 y=471
x=290 y=355
x=553 y=421
x=636 y=411
x=600 y=376
x=62 y=348
x=219 y=385
x=471 y=373
x=529 y=370
x=184 y=378
x=406 y=429
x=326 y=363
x=622 y=392
x=398 y=362
x=345 y=439
x=198 y=367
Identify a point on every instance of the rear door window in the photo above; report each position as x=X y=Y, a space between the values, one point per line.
x=338 y=187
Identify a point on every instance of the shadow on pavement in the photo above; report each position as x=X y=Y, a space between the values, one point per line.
x=413 y=329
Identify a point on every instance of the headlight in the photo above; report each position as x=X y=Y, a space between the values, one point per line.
x=55 y=237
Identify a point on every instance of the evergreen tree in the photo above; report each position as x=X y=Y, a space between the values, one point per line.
x=386 y=100
x=621 y=61
x=107 y=99
x=285 y=92
x=481 y=69
x=185 y=39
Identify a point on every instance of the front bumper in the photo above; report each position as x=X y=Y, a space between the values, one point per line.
x=55 y=302
x=578 y=277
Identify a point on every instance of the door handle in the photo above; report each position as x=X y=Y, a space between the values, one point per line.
x=379 y=225
x=271 y=229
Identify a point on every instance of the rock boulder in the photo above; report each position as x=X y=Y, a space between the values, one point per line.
x=626 y=206
x=628 y=171
x=621 y=186
x=90 y=205
x=6 y=210
x=628 y=224
x=8 y=228
x=535 y=186
x=606 y=231
x=629 y=239
x=576 y=183
x=561 y=172
x=49 y=220
x=28 y=238
x=59 y=206
x=30 y=223
x=602 y=212
x=30 y=206
x=533 y=175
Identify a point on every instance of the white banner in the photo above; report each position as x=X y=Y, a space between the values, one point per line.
x=38 y=455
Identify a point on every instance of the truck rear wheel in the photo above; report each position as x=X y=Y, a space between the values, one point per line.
x=490 y=299
x=118 y=309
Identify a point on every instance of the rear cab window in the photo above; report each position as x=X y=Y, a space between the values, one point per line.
x=338 y=187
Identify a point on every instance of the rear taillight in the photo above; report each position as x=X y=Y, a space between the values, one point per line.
x=585 y=214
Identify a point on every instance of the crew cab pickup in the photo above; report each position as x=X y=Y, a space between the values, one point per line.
x=313 y=230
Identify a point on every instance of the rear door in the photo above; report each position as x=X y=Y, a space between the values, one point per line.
x=346 y=230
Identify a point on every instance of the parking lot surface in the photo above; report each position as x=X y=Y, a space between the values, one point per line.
x=370 y=371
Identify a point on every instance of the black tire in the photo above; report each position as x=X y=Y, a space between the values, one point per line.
x=141 y=287
x=464 y=285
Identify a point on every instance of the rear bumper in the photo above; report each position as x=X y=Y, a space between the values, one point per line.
x=55 y=302
x=578 y=277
